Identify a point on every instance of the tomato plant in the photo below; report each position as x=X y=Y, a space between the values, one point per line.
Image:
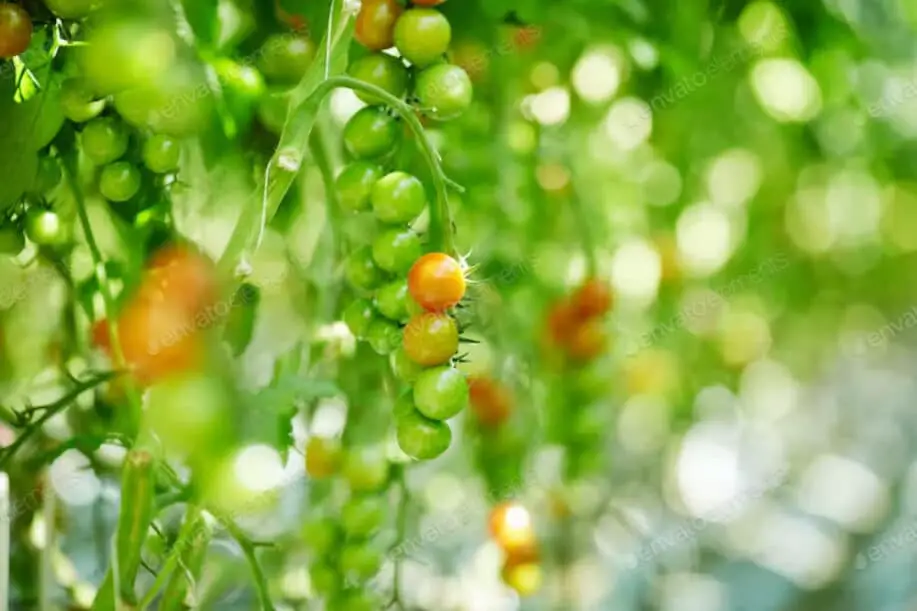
x=15 y=30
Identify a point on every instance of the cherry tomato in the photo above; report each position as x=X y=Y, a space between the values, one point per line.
x=593 y=298
x=15 y=30
x=420 y=437
x=104 y=140
x=525 y=579
x=473 y=58
x=359 y=561
x=45 y=228
x=375 y=24
x=398 y=198
x=361 y=271
x=395 y=250
x=285 y=58
x=422 y=35
x=440 y=393
x=403 y=367
x=184 y=276
x=323 y=457
x=562 y=322
x=383 y=336
x=444 y=91
x=355 y=184
x=242 y=86
x=510 y=525
x=366 y=469
x=363 y=515
x=490 y=402
x=588 y=340
x=325 y=580
x=371 y=133
x=11 y=241
x=393 y=301
x=431 y=339
x=134 y=106
x=70 y=9
x=78 y=102
x=357 y=317
x=119 y=181
x=436 y=281
x=321 y=535
x=383 y=71
x=161 y=153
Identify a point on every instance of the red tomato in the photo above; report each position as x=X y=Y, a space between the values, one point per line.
x=15 y=30
x=436 y=281
x=375 y=24
x=588 y=340
x=592 y=299
x=490 y=402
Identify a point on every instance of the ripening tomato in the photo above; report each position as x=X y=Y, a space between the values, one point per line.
x=431 y=339
x=323 y=457
x=490 y=402
x=510 y=525
x=436 y=281
x=15 y=30
x=588 y=340
x=593 y=298
x=185 y=276
x=525 y=578
x=375 y=24
x=561 y=323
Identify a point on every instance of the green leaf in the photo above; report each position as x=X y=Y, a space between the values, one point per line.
x=202 y=16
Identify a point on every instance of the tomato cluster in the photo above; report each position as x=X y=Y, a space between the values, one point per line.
x=404 y=296
x=575 y=325
x=345 y=553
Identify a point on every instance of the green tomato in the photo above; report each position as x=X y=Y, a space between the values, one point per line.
x=361 y=271
x=355 y=184
x=371 y=133
x=321 y=535
x=383 y=336
x=45 y=228
x=325 y=580
x=393 y=299
x=242 y=85
x=77 y=102
x=104 y=140
x=396 y=250
x=284 y=58
x=441 y=392
x=361 y=516
x=357 y=316
x=71 y=9
x=119 y=181
x=398 y=198
x=359 y=561
x=161 y=153
x=422 y=35
x=383 y=71
x=366 y=469
x=123 y=54
x=444 y=91
x=420 y=437
x=134 y=106
x=404 y=368
x=11 y=241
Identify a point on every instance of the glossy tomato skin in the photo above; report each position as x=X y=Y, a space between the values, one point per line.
x=403 y=367
x=285 y=58
x=593 y=298
x=398 y=197
x=104 y=140
x=375 y=24
x=436 y=281
x=361 y=271
x=78 y=102
x=381 y=70
x=372 y=133
x=490 y=402
x=422 y=36
x=444 y=91
x=395 y=250
x=431 y=339
x=161 y=153
x=354 y=185
x=383 y=336
x=119 y=181
x=392 y=300
x=15 y=30
x=440 y=393
x=420 y=437
x=45 y=228
x=357 y=316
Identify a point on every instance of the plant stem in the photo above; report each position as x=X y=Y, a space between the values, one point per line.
x=51 y=410
x=185 y=538
x=248 y=548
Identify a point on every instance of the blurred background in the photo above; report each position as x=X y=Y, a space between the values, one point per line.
x=741 y=175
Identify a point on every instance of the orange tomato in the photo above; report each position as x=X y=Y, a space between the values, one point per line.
x=490 y=402
x=588 y=340
x=375 y=24
x=510 y=525
x=436 y=281
x=593 y=298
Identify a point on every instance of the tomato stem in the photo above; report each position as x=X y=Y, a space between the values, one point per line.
x=186 y=535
